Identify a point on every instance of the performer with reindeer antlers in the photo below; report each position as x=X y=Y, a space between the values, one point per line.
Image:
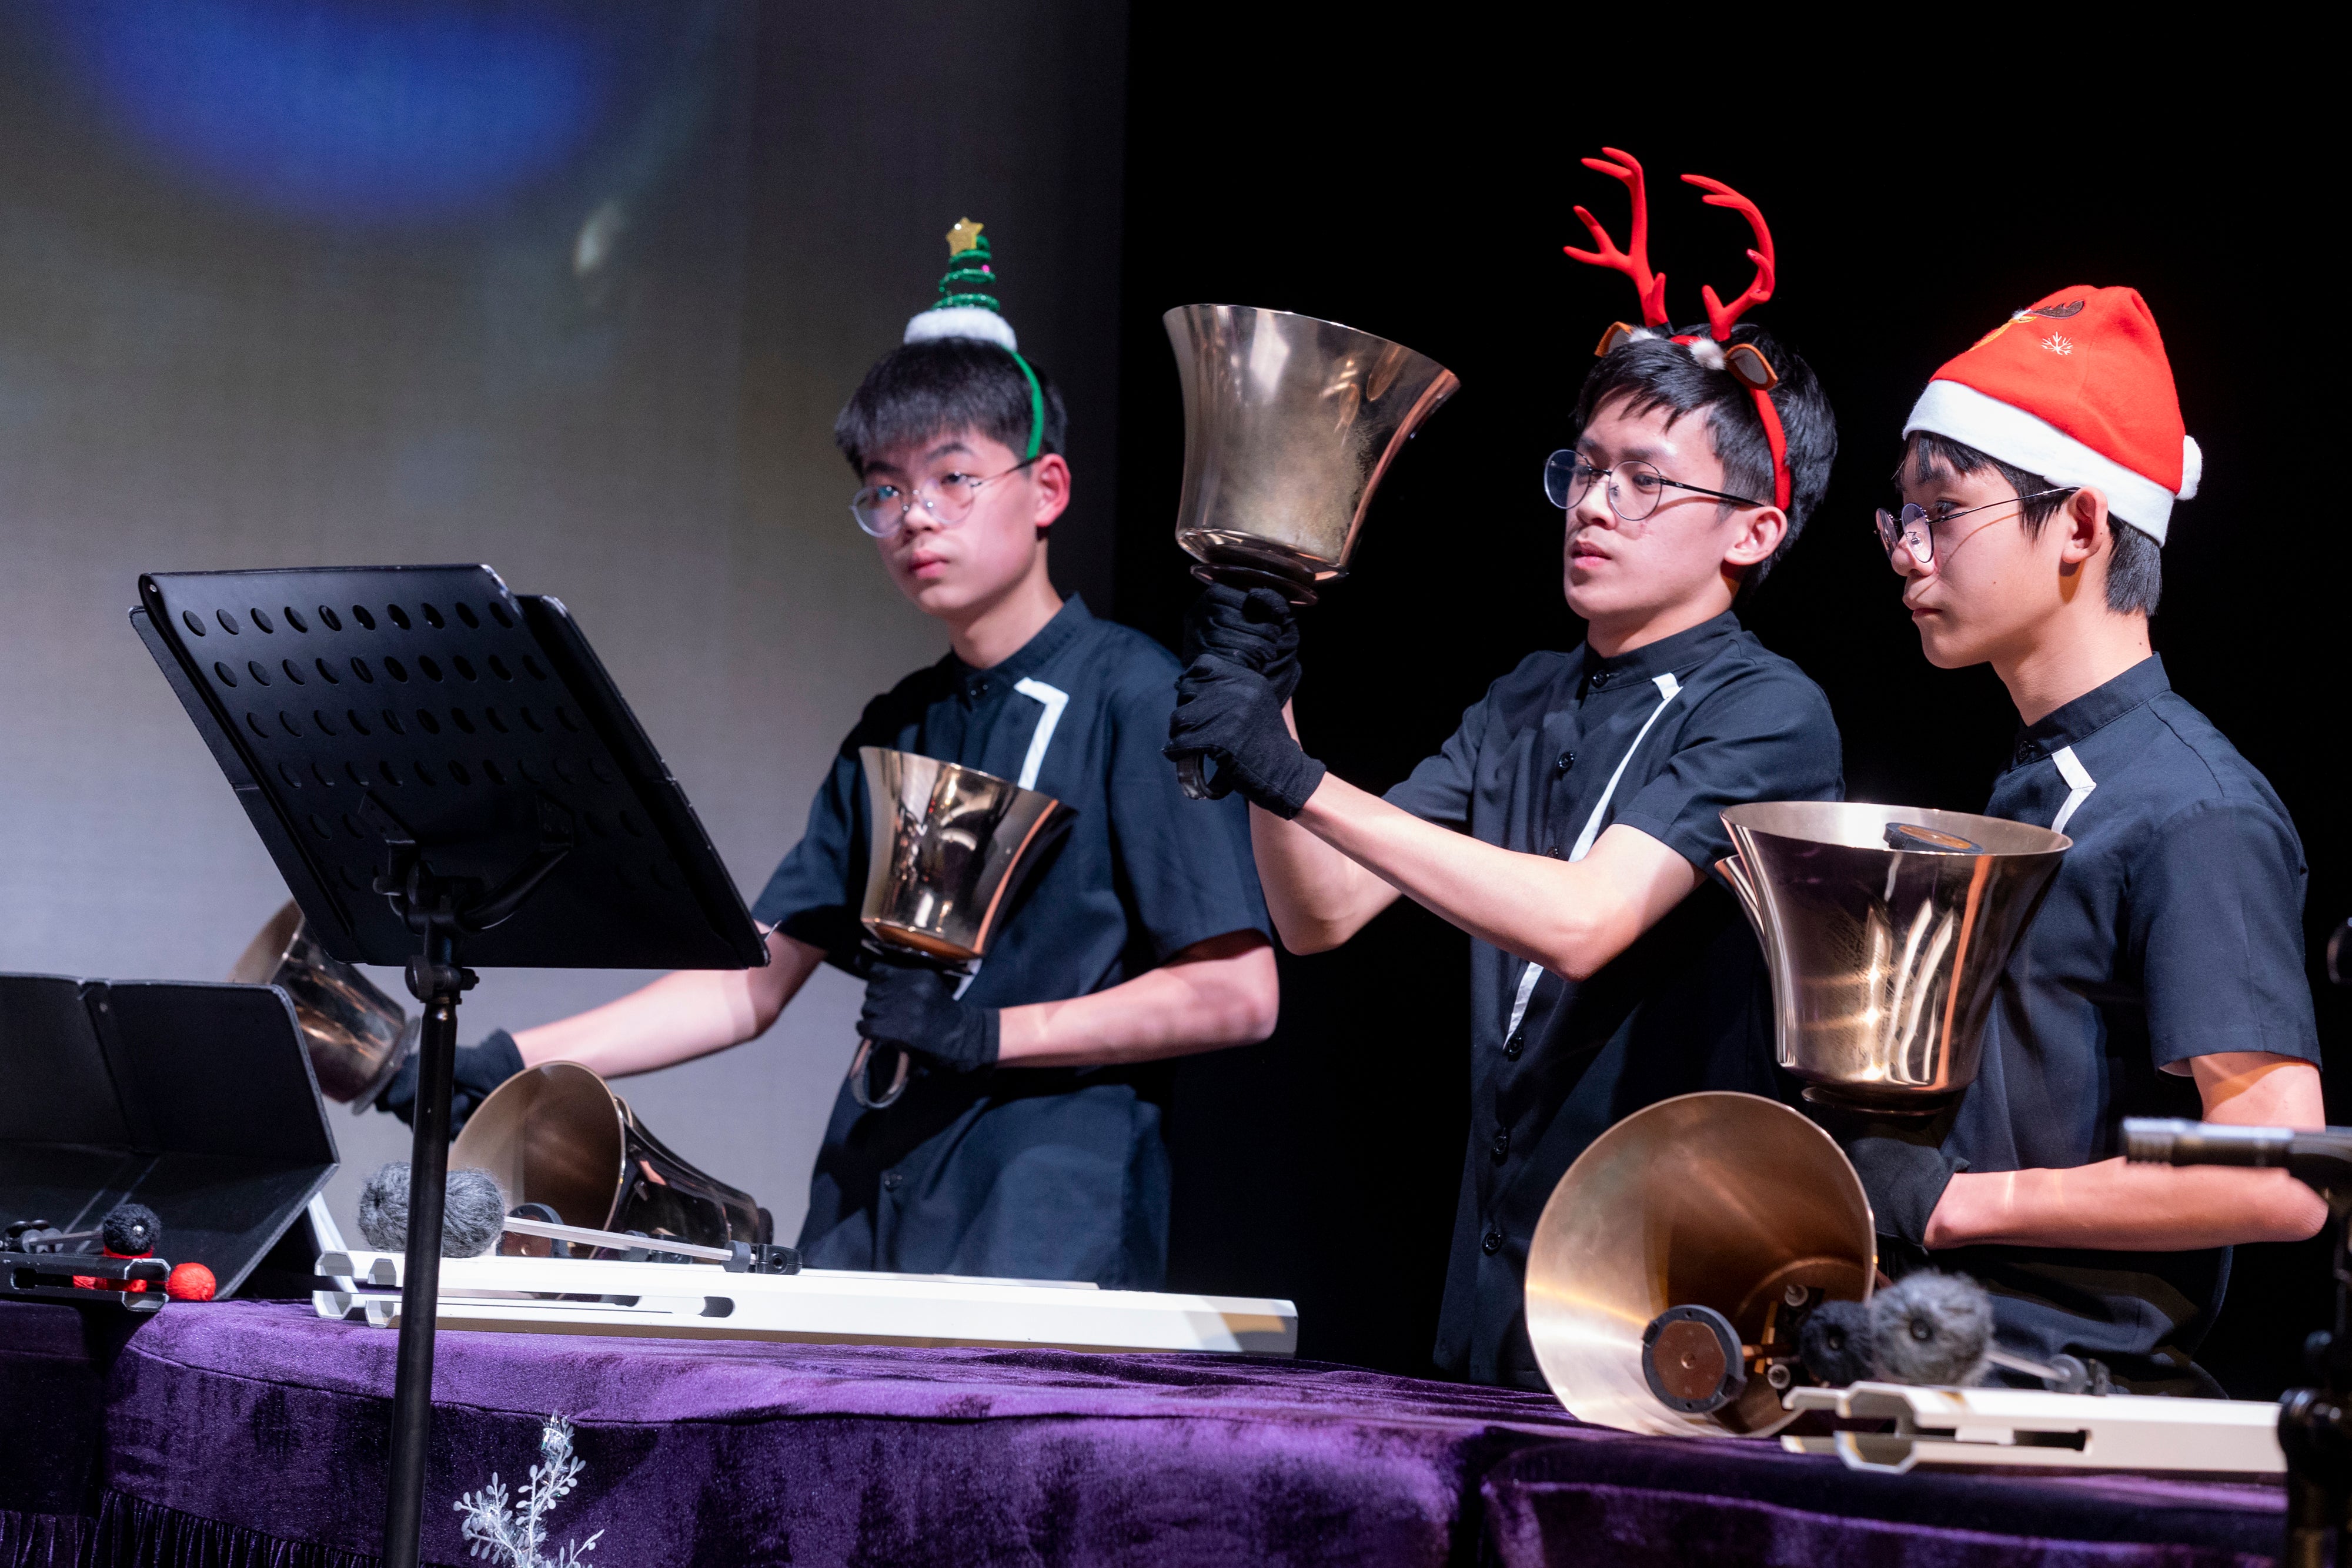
x=1570 y=824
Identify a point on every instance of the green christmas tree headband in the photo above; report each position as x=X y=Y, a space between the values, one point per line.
x=966 y=308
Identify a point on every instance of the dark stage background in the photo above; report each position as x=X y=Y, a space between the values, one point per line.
x=576 y=289
x=1918 y=192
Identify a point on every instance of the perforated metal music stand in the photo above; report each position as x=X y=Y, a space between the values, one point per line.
x=442 y=770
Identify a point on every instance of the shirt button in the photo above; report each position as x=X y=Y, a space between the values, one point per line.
x=1502 y=1141
x=1553 y=850
x=1567 y=760
x=1602 y=679
x=1492 y=1243
x=890 y=1180
x=2027 y=751
x=1516 y=1044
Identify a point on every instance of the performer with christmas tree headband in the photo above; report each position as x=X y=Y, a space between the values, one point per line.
x=1570 y=824
x=1026 y=1143
x=2163 y=975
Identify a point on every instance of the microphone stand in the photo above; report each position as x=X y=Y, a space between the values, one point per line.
x=2314 y=1425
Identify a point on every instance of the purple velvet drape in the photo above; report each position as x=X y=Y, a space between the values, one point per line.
x=265 y=1419
x=240 y=1434
x=1663 y=1502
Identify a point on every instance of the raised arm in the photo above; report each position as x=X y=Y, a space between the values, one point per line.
x=1570 y=916
x=680 y=1017
x=1318 y=896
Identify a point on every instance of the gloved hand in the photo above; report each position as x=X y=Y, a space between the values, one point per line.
x=1256 y=628
x=481 y=1068
x=913 y=1006
x=1241 y=665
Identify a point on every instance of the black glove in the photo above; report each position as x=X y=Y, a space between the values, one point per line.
x=1902 y=1163
x=1241 y=665
x=480 y=1069
x=1256 y=628
x=913 y=1007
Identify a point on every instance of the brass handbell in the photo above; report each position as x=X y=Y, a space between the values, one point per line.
x=1289 y=423
x=557 y=1134
x=355 y=1035
x=1720 y=1206
x=1886 y=929
x=949 y=844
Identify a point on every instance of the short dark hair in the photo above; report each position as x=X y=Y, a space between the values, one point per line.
x=2135 y=564
x=920 y=389
x=1653 y=373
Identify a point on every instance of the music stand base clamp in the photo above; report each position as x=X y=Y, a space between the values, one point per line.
x=2314 y=1429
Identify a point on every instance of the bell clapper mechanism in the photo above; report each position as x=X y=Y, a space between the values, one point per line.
x=1289 y=423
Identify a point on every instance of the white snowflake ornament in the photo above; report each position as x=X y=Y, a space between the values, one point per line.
x=512 y=1537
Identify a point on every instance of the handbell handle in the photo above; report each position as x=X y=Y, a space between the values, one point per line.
x=1192 y=776
x=860 y=1086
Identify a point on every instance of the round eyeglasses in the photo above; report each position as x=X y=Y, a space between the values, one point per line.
x=1927 y=534
x=1635 y=487
x=881 y=509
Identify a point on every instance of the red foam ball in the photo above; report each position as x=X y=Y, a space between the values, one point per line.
x=190 y=1282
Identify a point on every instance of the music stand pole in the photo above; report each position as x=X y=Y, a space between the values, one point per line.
x=436 y=981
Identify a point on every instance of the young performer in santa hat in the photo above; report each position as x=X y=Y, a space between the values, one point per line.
x=2164 y=973
x=1571 y=823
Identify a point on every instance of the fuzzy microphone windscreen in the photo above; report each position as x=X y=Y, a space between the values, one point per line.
x=131 y=1230
x=472 y=1213
x=1835 y=1344
x=1931 y=1329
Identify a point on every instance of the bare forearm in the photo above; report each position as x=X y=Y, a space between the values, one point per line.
x=1571 y=917
x=1318 y=896
x=1224 y=994
x=2117 y=1207
x=677 y=1018
x=2127 y=1208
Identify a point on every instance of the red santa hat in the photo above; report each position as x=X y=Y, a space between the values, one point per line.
x=2076 y=388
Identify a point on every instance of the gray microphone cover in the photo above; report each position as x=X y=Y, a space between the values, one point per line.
x=473 y=1214
x=1931 y=1329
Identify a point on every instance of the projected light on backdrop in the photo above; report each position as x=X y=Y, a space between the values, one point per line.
x=359 y=113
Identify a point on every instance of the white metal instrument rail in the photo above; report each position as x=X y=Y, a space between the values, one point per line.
x=2032 y=1427
x=826 y=1306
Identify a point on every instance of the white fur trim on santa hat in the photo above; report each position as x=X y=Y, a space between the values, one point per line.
x=2192 y=467
x=2025 y=440
x=963 y=321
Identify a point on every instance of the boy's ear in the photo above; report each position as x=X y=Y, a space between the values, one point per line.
x=2083 y=516
x=1758 y=537
x=1049 y=479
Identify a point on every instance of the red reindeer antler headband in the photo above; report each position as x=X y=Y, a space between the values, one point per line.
x=1744 y=361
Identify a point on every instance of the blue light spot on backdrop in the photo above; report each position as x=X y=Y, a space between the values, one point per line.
x=358 y=112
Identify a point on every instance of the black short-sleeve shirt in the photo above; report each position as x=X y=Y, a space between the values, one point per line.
x=1025 y=1173
x=1566 y=746
x=2173 y=929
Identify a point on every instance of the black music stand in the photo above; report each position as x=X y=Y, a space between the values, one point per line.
x=441 y=768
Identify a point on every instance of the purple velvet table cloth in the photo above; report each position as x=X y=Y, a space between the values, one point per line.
x=253 y=1435
x=269 y=1422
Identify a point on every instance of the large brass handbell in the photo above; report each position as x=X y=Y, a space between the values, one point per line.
x=557 y=1134
x=1669 y=1276
x=1289 y=423
x=949 y=849
x=356 y=1036
x=1886 y=929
